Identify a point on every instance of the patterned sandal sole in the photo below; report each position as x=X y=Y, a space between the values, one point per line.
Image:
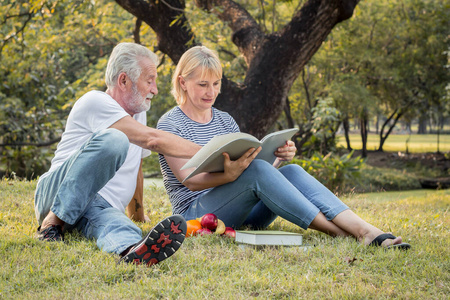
x=160 y=243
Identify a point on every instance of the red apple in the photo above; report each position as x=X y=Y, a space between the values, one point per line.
x=203 y=231
x=209 y=221
x=230 y=232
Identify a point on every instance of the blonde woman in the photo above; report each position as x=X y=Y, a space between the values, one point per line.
x=249 y=191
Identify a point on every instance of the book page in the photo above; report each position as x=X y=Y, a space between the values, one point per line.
x=272 y=141
x=211 y=159
x=215 y=144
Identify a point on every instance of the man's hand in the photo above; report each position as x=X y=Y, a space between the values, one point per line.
x=287 y=152
x=234 y=168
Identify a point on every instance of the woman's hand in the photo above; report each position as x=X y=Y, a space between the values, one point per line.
x=234 y=168
x=287 y=152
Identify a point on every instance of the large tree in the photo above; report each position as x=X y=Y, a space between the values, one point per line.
x=274 y=59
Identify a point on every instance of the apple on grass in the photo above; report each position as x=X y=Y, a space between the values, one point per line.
x=230 y=232
x=209 y=221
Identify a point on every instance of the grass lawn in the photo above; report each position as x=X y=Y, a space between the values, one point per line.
x=216 y=268
x=417 y=143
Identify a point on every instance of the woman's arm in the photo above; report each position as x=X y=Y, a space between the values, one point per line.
x=232 y=170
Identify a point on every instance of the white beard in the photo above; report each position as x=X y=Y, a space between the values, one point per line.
x=138 y=103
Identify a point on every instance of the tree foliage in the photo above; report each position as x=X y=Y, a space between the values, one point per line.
x=273 y=59
x=286 y=63
x=50 y=53
x=387 y=62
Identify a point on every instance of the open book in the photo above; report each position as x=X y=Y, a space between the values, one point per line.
x=210 y=158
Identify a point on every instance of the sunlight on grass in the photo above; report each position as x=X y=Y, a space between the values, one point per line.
x=417 y=143
x=215 y=267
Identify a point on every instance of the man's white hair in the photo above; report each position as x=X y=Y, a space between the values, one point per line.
x=126 y=58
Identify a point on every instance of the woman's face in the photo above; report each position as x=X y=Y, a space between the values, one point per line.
x=201 y=92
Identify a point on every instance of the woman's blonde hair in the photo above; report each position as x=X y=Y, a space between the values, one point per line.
x=198 y=56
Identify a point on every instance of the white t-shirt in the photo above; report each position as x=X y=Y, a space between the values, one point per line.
x=93 y=112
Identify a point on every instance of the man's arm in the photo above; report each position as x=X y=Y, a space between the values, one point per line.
x=135 y=208
x=156 y=140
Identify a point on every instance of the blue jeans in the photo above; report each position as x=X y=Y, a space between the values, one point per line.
x=262 y=193
x=70 y=192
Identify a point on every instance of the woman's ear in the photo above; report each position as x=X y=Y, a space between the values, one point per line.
x=182 y=83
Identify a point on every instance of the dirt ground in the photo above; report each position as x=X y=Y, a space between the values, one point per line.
x=436 y=161
x=390 y=159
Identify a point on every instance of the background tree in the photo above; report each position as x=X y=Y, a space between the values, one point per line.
x=47 y=49
x=387 y=62
x=53 y=51
x=274 y=59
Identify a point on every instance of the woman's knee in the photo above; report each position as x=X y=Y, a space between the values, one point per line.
x=292 y=169
x=259 y=167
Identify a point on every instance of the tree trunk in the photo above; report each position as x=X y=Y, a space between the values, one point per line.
x=383 y=138
x=274 y=60
x=363 y=123
x=398 y=113
x=422 y=124
x=346 y=125
x=287 y=113
x=377 y=124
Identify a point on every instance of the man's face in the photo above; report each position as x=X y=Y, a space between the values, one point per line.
x=144 y=89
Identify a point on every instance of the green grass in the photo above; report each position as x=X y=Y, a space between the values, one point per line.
x=418 y=143
x=216 y=268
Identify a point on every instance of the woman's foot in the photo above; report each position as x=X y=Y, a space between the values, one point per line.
x=387 y=240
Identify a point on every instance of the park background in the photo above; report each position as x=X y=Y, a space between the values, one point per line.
x=371 y=101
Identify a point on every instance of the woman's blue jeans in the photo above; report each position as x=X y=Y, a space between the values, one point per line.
x=263 y=192
x=71 y=192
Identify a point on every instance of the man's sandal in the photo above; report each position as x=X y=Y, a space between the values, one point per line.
x=160 y=243
x=53 y=233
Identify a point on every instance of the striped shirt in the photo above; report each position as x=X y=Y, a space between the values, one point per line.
x=176 y=122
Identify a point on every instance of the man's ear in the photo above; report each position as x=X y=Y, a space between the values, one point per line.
x=122 y=81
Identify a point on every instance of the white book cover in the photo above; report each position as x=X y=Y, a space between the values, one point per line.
x=210 y=159
x=269 y=237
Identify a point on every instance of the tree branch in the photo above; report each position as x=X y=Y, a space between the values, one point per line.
x=168 y=21
x=43 y=144
x=137 y=31
x=12 y=35
x=247 y=35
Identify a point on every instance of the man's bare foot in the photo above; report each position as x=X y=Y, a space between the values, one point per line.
x=51 y=220
x=51 y=229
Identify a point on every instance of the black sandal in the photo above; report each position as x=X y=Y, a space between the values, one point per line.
x=382 y=237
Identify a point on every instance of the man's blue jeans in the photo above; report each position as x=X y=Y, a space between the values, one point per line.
x=70 y=192
x=263 y=192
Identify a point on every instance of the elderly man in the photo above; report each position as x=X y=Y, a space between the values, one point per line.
x=94 y=173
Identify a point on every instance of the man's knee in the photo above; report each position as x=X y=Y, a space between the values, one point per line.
x=113 y=142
